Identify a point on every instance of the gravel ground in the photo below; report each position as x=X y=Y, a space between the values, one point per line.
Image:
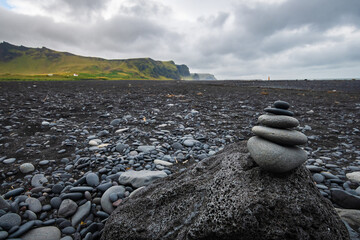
x=50 y=125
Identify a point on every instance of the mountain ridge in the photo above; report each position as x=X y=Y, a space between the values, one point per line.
x=23 y=62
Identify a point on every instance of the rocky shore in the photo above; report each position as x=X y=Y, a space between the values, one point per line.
x=71 y=152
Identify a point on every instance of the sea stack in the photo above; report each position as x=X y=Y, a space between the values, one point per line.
x=275 y=146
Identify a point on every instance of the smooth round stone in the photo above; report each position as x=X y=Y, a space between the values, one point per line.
x=177 y=146
x=273 y=157
x=279 y=111
x=44 y=162
x=280 y=136
x=92 y=179
x=67 y=208
x=278 y=121
x=81 y=213
x=318 y=178
x=30 y=215
x=189 y=142
x=121 y=147
x=43 y=233
x=57 y=188
x=3 y=235
x=68 y=230
x=55 y=202
x=113 y=197
x=281 y=104
x=9 y=160
x=354 y=177
x=26 y=167
x=94 y=142
x=38 y=180
x=34 y=204
x=115 y=122
x=9 y=220
x=106 y=203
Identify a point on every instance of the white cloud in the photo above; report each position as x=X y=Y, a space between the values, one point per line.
x=231 y=39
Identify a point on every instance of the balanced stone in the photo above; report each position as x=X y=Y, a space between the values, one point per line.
x=278 y=121
x=273 y=157
x=281 y=104
x=279 y=111
x=280 y=136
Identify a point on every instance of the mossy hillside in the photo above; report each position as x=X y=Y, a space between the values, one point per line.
x=18 y=62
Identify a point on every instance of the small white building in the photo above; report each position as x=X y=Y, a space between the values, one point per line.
x=76 y=75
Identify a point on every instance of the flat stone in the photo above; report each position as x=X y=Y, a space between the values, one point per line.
x=190 y=142
x=9 y=220
x=115 y=122
x=161 y=162
x=34 y=204
x=81 y=213
x=351 y=216
x=92 y=179
x=14 y=192
x=106 y=203
x=354 y=177
x=9 y=160
x=345 y=199
x=146 y=149
x=278 y=121
x=3 y=203
x=43 y=233
x=38 y=180
x=121 y=147
x=280 y=136
x=23 y=229
x=140 y=178
x=279 y=111
x=94 y=142
x=273 y=157
x=67 y=208
x=26 y=168
x=81 y=189
x=281 y=104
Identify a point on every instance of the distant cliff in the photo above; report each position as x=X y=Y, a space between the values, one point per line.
x=19 y=62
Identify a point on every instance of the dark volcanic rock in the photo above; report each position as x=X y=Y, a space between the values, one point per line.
x=227 y=197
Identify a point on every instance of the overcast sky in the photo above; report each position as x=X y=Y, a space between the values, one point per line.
x=239 y=39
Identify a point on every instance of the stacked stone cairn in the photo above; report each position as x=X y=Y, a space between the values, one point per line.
x=274 y=148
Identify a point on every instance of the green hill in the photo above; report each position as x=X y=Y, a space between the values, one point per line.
x=19 y=62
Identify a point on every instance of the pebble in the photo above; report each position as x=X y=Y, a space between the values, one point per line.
x=3 y=235
x=106 y=203
x=280 y=136
x=140 y=178
x=67 y=208
x=43 y=233
x=161 y=162
x=3 y=203
x=354 y=177
x=278 y=121
x=57 y=188
x=318 y=178
x=26 y=168
x=81 y=213
x=55 y=202
x=92 y=179
x=281 y=104
x=279 y=111
x=34 y=204
x=9 y=160
x=38 y=180
x=14 y=192
x=146 y=149
x=273 y=157
x=23 y=229
x=345 y=199
x=9 y=220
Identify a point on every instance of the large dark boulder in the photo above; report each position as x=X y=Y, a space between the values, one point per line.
x=227 y=197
